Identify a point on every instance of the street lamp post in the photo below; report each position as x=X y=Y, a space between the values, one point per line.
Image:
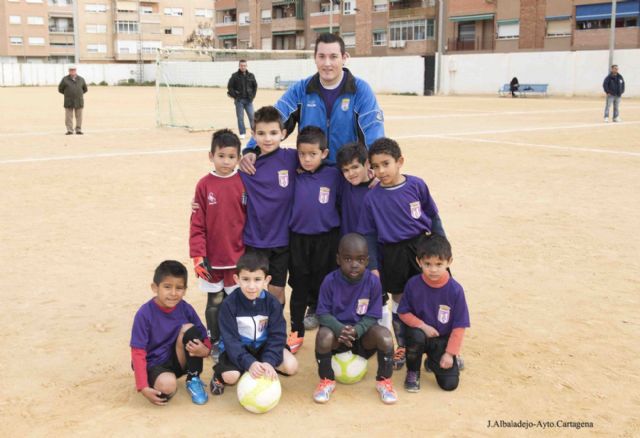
x=612 y=33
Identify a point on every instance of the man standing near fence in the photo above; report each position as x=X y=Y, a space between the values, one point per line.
x=73 y=87
x=614 y=87
x=242 y=87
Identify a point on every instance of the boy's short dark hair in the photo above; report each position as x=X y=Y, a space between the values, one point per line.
x=170 y=268
x=253 y=261
x=434 y=245
x=350 y=152
x=329 y=38
x=242 y=60
x=387 y=146
x=267 y=114
x=312 y=135
x=224 y=138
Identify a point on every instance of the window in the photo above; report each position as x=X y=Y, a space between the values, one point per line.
x=349 y=7
x=15 y=19
x=467 y=31
x=36 y=41
x=95 y=7
x=96 y=28
x=228 y=18
x=34 y=1
x=124 y=6
x=204 y=32
x=558 y=28
x=174 y=12
x=126 y=27
x=508 y=30
x=60 y=2
x=173 y=30
x=412 y=30
x=15 y=41
x=265 y=16
x=243 y=17
x=149 y=47
x=97 y=48
x=35 y=20
x=380 y=5
x=125 y=47
x=349 y=39
x=379 y=37
x=206 y=13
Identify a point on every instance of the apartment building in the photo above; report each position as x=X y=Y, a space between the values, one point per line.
x=527 y=25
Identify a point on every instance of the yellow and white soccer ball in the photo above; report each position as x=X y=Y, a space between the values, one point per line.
x=258 y=395
x=348 y=367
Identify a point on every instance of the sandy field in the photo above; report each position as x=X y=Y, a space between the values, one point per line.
x=539 y=198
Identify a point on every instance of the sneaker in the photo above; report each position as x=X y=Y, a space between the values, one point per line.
x=216 y=386
x=196 y=389
x=215 y=352
x=412 y=381
x=460 y=361
x=323 y=391
x=311 y=321
x=69 y=133
x=242 y=136
x=399 y=358
x=387 y=393
x=79 y=133
x=295 y=342
x=606 y=119
x=617 y=119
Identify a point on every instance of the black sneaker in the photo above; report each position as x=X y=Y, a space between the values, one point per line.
x=216 y=386
x=412 y=381
x=69 y=133
x=79 y=133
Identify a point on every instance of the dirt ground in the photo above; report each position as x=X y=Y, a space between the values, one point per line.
x=539 y=197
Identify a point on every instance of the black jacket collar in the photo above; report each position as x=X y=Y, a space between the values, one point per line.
x=348 y=86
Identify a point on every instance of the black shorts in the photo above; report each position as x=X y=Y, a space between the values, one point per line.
x=172 y=365
x=357 y=348
x=225 y=364
x=399 y=264
x=278 y=262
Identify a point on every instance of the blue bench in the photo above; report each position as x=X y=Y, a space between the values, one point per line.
x=525 y=90
x=279 y=84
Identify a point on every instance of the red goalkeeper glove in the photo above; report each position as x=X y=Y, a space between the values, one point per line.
x=201 y=268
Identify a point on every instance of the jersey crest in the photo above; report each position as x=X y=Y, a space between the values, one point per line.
x=345 y=104
x=416 y=210
x=283 y=178
x=443 y=314
x=323 y=196
x=211 y=198
x=363 y=305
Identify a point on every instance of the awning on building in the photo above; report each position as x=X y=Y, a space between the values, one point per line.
x=477 y=17
x=283 y=32
x=326 y=29
x=558 y=17
x=281 y=2
x=228 y=37
x=509 y=21
x=602 y=11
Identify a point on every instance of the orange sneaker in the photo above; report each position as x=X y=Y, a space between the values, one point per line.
x=387 y=393
x=295 y=342
x=323 y=390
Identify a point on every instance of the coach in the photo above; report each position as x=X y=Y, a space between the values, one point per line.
x=73 y=87
x=242 y=87
x=333 y=99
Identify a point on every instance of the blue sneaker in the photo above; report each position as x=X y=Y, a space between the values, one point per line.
x=196 y=389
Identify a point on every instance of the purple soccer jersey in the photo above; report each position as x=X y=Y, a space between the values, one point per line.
x=443 y=308
x=269 y=199
x=348 y=302
x=329 y=97
x=156 y=332
x=398 y=213
x=315 y=203
x=351 y=206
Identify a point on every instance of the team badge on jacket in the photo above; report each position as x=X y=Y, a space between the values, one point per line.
x=416 y=211
x=363 y=305
x=283 y=178
x=323 y=196
x=212 y=199
x=345 y=104
x=443 y=313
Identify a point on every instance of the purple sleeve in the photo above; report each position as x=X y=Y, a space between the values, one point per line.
x=366 y=223
x=428 y=204
x=405 y=306
x=375 y=308
x=325 y=298
x=140 y=331
x=460 y=311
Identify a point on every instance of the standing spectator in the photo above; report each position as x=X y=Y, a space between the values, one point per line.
x=73 y=87
x=614 y=87
x=242 y=87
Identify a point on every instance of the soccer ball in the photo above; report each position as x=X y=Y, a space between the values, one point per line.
x=258 y=395
x=348 y=367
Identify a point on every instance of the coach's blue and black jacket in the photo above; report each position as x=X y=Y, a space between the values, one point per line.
x=355 y=116
x=247 y=325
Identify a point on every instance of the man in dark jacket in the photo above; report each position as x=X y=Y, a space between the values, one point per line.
x=242 y=87
x=614 y=87
x=73 y=87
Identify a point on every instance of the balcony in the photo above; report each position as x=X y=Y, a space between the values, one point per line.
x=321 y=19
x=287 y=24
x=223 y=5
x=61 y=49
x=227 y=28
x=412 y=9
x=59 y=29
x=150 y=18
x=471 y=45
x=126 y=16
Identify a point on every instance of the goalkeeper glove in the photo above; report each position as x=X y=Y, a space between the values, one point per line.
x=201 y=268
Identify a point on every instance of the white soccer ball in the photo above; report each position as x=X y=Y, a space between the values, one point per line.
x=258 y=395
x=348 y=367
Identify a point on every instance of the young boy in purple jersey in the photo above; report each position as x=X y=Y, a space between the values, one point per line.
x=349 y=306
x=269 y=197
x=315 y=227
x=435 y=312
x=168 y=339
x=253 y=329
x=396 y=214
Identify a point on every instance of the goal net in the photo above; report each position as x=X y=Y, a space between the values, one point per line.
x=191 y=83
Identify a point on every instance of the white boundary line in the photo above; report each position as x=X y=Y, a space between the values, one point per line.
x=104 y=155
x=61 y=133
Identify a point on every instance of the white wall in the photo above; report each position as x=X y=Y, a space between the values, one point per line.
x=567 y=73
x=16 y=74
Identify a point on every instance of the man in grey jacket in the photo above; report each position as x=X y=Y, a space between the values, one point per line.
x=73 y=87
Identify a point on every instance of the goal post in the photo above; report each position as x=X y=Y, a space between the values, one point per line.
x=186 y=79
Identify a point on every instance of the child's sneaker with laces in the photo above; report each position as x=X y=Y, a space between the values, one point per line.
x=196 y=389
x=412 y=381
x=387 y=393
x=311 y=321
x=216 y=386
x=399 y=358
x=294 y=342
x=323 y=391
